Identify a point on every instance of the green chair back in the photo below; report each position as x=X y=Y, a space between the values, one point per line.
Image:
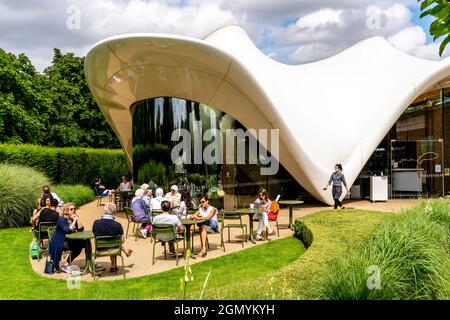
x=107 y=242
x=163 y=229
x=129 y=213
x=231 y=215
x=156 y=212
x=44 y=226
x=51 y=232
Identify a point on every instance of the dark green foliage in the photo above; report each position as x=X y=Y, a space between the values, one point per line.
x=440 y=11
x=20 y=187
x=54 y=108
x=70 y=165
x=303 y=233
x=411 y=253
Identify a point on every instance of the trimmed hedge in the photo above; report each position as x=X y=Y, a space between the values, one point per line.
x=79 y=194
x=303 y=233
x=19 y=191
x=407 y=258
x=69 y=165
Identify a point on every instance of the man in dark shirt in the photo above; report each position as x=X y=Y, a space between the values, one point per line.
x=107 y=226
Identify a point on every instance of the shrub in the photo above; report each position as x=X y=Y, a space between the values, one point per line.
x=303 y=233
x=69 y=165
x=411 y=253
x=18 y=194
x=78 y=194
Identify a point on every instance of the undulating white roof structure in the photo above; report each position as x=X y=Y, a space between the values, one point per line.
x=332 y=111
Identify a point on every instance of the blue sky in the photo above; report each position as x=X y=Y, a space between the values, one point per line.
x=290 y=31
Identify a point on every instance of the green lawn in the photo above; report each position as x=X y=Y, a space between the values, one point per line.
x=334 y=232
x=19 y=281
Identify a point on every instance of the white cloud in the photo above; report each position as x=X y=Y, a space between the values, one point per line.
x=319 y=28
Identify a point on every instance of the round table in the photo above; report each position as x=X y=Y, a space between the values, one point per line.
x=187 y=223
x=290 y=203
x=251 y=213
x=86 y=235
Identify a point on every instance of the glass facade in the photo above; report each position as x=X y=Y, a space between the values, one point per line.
x=229 y=185
x=415 y=154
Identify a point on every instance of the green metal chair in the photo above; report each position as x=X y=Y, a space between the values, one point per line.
x=168 y=231
x=100 y=198
x=236 y=217
x=107 y=246
x=131 y=219
x=51 y=232
x=43 y=230
x=156 y=212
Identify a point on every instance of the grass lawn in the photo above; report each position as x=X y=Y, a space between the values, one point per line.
x=19 y=281
x=334 y=232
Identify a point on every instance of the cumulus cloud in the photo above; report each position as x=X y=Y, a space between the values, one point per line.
x=289 y=31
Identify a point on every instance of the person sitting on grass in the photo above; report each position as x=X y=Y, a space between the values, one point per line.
x=209 y=213
x=165 y=218
x=67 y=223
x=46 y=214
x=107 y=226
x=140 y=211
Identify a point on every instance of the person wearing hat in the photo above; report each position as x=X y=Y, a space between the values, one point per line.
x=174 y=196
x=165 y=218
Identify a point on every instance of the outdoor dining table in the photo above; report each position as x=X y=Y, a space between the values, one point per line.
x=290 y=203
x=86 y=235
x=251 y=213
x=187 y=223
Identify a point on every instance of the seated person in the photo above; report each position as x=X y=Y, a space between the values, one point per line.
x=166 y=218
x=101 y=189
x=107 y=226
x=210 y=214
x=155 y=204
x=174 y=196
x=140 y=211
x=264 y=203
x=63 y=226
x=74 y=245
x=46 y=193
x=45 y=214
x=125 y=185
x=185 y=204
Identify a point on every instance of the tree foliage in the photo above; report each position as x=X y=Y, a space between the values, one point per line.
x=53 y=108
x=440 y=11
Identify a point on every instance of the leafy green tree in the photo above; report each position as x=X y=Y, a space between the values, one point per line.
x=440 y=11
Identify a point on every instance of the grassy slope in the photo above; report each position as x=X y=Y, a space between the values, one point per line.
x=334 y=232
x=20 y=282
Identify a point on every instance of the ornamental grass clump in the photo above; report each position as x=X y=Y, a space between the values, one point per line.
x=20 y=187
x=407 y=258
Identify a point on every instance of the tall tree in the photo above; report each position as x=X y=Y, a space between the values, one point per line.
x=440 y=11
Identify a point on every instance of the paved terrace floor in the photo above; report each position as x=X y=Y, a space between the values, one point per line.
x=140 y=262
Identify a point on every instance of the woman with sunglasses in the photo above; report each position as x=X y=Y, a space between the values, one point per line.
x=210 y=214
x=67 y=223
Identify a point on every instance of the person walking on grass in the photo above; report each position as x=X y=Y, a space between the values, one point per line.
x=337 y=179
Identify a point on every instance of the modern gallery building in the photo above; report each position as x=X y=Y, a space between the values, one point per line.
x=376 y=110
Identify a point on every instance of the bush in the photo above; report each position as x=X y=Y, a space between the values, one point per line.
x=303 y=233
x=78 y=194
x=69 y=165
x=18 y=194
x=412 y=256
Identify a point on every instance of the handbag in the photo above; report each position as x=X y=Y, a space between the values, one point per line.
x=35 y=250
x=49 y=268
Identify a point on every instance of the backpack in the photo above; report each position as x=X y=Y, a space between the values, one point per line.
x=35 y=250
x=274 y=209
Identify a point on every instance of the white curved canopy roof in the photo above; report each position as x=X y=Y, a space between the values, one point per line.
x=332 y=111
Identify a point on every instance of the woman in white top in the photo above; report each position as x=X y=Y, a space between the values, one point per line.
x=185 y=204
x=155 y=203
x=125 y=185
x=209 y=213
x=263 y=202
